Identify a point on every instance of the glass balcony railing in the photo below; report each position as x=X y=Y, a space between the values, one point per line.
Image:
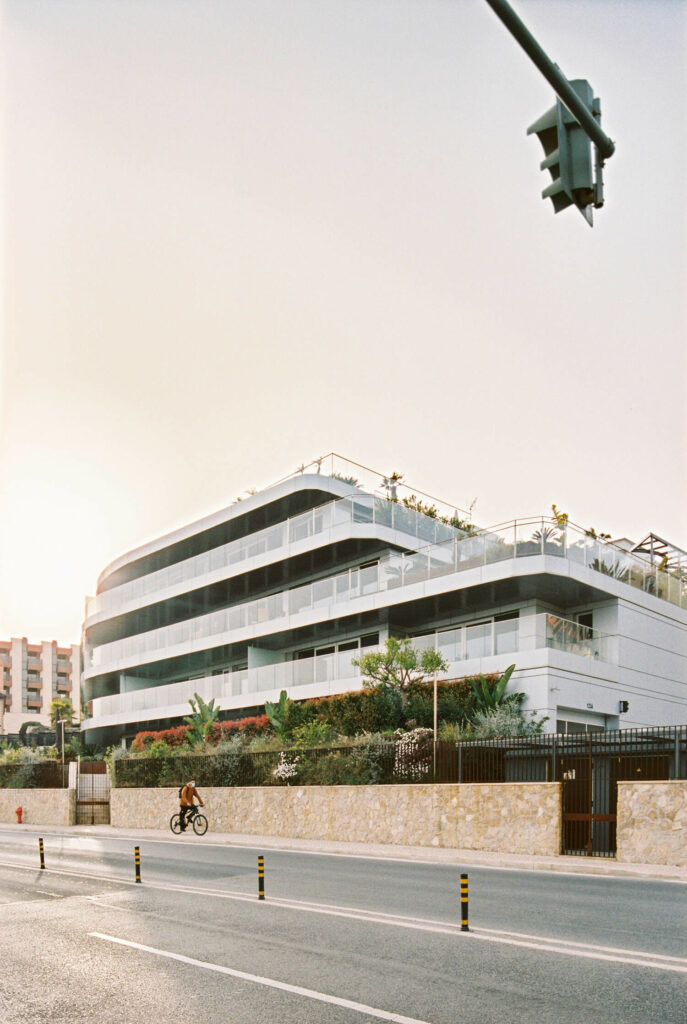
x=463 y=643
x=362 y=508
x=515 y=540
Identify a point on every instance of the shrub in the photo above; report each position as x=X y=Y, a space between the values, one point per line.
x=313 y=734
x=246 y=728
x=505 y=720
x=175 y=737
x=181 y=735
x=413 y=759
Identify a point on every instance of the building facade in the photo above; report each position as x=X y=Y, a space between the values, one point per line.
x=32 y=676
x=283 y=589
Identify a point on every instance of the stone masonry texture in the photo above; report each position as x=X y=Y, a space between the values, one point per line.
x=652 y=822
x=39 y=806
x=508 y=818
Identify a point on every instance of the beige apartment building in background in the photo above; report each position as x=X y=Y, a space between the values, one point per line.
x=32 y=676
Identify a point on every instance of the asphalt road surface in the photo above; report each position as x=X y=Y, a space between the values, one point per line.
x=338 y=939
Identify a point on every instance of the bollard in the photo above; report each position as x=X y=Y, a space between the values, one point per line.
x=137 y=862
x=464 y=903
x=40 y=851
x=261 y=878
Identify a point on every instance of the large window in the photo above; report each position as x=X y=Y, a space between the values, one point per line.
x=498 y=635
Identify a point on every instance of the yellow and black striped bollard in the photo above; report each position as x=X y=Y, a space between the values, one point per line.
x=137 y=862
x=464 y=903
x=261 y=878
x=41 y=854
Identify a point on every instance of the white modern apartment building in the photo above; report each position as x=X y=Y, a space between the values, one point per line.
x=32 y=676
x=282 y=589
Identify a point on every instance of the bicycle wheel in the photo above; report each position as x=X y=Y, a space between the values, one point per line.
x=175 y=824
x=200 y=824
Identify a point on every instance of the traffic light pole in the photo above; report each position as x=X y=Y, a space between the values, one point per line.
x=554 y=76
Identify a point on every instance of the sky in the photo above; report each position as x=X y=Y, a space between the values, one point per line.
x=240 y=234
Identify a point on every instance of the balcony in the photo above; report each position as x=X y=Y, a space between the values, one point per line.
x=514 y=541
x=463 y=647
x=362 y=509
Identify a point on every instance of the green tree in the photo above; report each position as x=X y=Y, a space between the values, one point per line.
x=202 y=720
x=25 y=727
x=399 y=665
x=61 y=708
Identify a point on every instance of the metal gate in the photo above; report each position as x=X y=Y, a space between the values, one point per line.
x=93 y=794
x=590 y=767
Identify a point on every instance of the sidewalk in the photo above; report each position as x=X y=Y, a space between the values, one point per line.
x=598 y=866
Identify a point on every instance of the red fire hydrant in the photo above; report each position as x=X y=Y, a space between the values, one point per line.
x=18 y=812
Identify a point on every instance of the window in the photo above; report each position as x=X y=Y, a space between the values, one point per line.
x=569 y=728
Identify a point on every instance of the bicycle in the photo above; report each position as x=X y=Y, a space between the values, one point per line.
x=200 y=822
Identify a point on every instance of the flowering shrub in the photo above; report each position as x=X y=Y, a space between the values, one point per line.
x=254 y=725
x=176 y=737
x=413 y=758
x=286 y=770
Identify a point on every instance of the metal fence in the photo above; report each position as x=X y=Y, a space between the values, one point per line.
x=658 y=753
x=349 y=765
x=34 y=775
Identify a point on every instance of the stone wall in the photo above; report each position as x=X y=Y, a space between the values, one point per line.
x=511 y=818
x=652 y=822
x=39 y=806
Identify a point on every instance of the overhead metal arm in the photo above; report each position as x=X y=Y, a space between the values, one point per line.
x=553 y=74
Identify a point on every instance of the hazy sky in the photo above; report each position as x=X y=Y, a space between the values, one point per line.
x=238 y=234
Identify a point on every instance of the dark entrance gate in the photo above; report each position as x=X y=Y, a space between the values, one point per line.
x=93 y=794
x=590 y=768
x=590 y=799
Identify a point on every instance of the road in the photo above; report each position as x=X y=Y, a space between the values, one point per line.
x=338 y=939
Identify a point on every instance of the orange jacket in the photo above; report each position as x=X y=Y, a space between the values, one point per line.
x=187 y=795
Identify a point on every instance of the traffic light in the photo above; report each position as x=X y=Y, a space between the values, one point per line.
x=568 y=154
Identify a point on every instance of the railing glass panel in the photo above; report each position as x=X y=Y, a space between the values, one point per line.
x=471 y=641
x=396 y=570
x=363 y=508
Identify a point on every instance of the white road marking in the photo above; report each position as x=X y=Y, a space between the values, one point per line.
x=308 y=993
x=566 y=947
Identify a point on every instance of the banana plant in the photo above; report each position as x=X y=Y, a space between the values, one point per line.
x=489 y=699
x=203 y=718
x=276 y=714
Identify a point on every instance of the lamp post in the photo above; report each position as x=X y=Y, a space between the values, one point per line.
x=435 y=726
x=62 y=722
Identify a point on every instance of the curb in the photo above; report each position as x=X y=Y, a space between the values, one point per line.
x=605 y=867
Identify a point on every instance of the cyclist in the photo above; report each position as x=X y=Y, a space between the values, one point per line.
x=186 y=797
